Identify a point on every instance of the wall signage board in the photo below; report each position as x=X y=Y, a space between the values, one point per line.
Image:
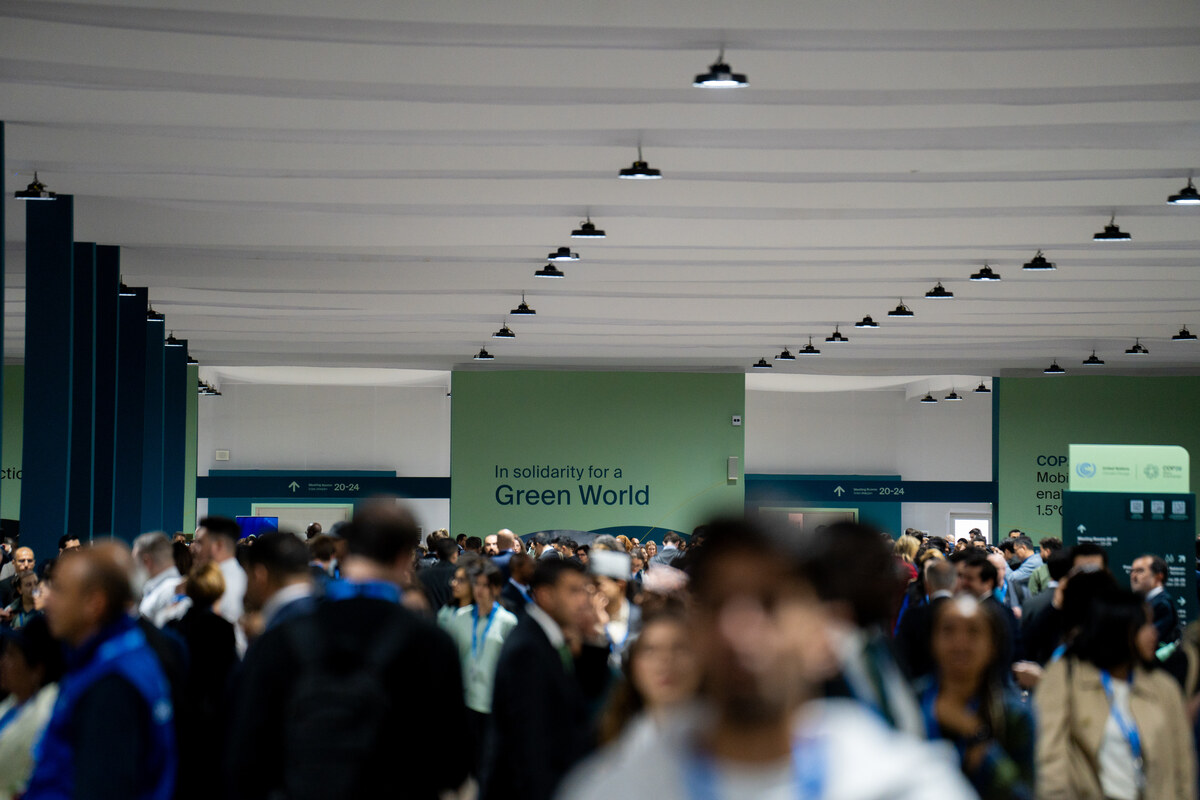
x=1162 y=469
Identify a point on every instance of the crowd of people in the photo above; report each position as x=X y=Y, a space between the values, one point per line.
x=738 y=662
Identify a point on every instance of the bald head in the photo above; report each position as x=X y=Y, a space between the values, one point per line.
x=23 y=559
x=504 y=540
x=91 y=589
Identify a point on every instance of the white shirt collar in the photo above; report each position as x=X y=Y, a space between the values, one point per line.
x=553 y=632
x=1155 y=592
x=159 y=579
x=940 y=593
x=281 y=598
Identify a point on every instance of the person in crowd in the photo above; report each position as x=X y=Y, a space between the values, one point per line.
x=516 y=593
x=581 y=554
x=29 y=600
x=491 y=546
x=67 y=541
x=979 y=576
x=969 y=702
x=542 y=547
x=1034 y=644
x=324 y=705
x=7 y=545
x=1040 y=577
x=216 y=543
x=624 y=543
x=158 y=575
x=212 y=647
x=462 y=595
x=552 y=668
x=1052 y=627
x=313 y=530
x=184 y=560
x=23 y=561
x=279 y=583
x=913 y=634
x=1109 y=725
x=672 y=549
x=1003 y=592
x=622 y=620
x=637 y=564
x=435 y=579
x=906 y=548
x=659 y=676
x=322 y=559
x=1015 y=532
x=763 y=649
x=479 y=631
x=1147 y=578
x=961 y=544
x=30 y=666
x=111 y=732
x=507 y=544
x=472 y=545
x=1030 y=560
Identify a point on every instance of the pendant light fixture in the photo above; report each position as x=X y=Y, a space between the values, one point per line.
x=484 y=355
x=720 y=76
x=1138 y=349
x=1112 y=233
x=35 y=191
x=587 y=230
x=939 y=292
x=953 y=397
x=808 y=349
x=866 y=322
x=901 y=311
x=563 y=254
x=522 y=310
x=1054 y=369
x=1188 y=196
x=762 y=364
x=1039 y=263
x=1184 y=335
x=505 y=332
x=125 y=291
x=985 y=274
x=640 y=171
x=172 y=341
x=836 y=337
x=550 y=271
x=786 y=355
x=1093 y=360
x=154 y=316
x=929 y=398
x=192 y=360
x=982 y=389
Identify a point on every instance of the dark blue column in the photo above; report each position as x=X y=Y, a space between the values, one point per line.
x=46 y=481
x=175 y=404
x=131 y=404
x=108 y=278
x=83 y=375
x=3 y=247
x=152 y=443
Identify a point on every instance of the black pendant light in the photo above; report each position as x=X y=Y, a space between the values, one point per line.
x=982 y=389
x=505 y=332
x=1188 y=196
x=550 y=271
x=720 y=76
x=836 y=337
x=985 y=274
x=1039 y=263
x=192 y=360
x=1054 y=369
x=808 y=349
x=154 y=316
x=1093 y=360
x=563 y=254
x=522 y=310
x=901 y=311
x=929 y=398
x=587 y=230
x=640 y=171
x=1112 y=233
x=484 y=355
x=1138 y=349
x=786 y=355
x=125 y=291
x=35 y=191
x=762 y=364
x=953 y=397
x=1184 y=335
x=939 y=292
x=172 y=341
x=866 y=322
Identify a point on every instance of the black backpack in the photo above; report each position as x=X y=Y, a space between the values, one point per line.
x=336 y=712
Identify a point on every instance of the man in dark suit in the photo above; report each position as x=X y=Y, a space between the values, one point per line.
x=23 y=561
x=540 y=727
x=1147 y=577
x=279 y=584
x=1039 y=639
x=543 y=549
x=436 y=579
x=671 y=550
x=978 y=577
x=916 y=626
x=516 y=593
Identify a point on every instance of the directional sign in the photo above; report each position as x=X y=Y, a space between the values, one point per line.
x=839 y=491
x=869 y=490
x=293 y=486
x=339 y=487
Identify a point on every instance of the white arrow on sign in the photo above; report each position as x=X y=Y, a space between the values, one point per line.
x=1082 y=529
x=839 y=491
x=293 y=486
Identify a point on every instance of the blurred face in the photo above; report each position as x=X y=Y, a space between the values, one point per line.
x=1088 y=562
x=636 y=563
x=1141 y=578
x=490 y=548
x=971 y=583
x=485 y=593
x=582 y=555
x=16 y=675
x=73 y=611
x=27 y=588
x=71 y=544
x=567 y=601
x=665 y=671
x=460 y=587
x=258 y=587
x=651 y=549
x=961 y=640
x=23 y=559
x=979 y=543
x=613 y=591
x=1145 y=642
x=997 y=561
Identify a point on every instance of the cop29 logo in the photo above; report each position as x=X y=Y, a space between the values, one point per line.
x=1086 y=469
x=1150 y=471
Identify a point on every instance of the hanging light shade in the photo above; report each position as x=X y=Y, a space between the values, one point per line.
x=866 y=322
x=522 y=310
x=1188 y=196
x=836 y=337
x=720 y=76
x=762 y=364
x=953 y=397
x=172 y=341
x=1054 y=369
x=1039 y=263
x=640 y=171
x=786 y=355
x=35 y=191
x=1184 y=335
x=563 y=254
x=985 y=274
x=1093 y=360
x=939 y=292
x=587 y=230
x=1138 y=349
x=550 y=271
x=192 y=360
x=901 y=311
x=982 y=389
x=505 y=332
x=1112 y=233
x=808 y=349
x=484 y=355
x=125 y=291
x=154 y=316
x=929 y=398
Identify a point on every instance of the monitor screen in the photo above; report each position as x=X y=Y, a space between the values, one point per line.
x=257 y=526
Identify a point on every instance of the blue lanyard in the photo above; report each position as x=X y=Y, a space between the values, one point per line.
x=808 y=772
x=11 y=714
x=1002 y=592
x=1128 y=726
x=523 y=592
x=378 y=590
x=477 y=640
x=1058 y=653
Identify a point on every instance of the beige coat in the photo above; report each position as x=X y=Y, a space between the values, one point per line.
x=1072 y=712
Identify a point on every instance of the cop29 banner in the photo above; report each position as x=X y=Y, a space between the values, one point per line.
x=593 y=451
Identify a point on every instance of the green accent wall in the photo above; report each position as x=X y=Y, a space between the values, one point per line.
x=13 y=440
x=190 y=452
x=606 y=450
x=1039 y=417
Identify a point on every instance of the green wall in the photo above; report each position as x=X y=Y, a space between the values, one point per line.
x=1038 y=417
x=634 y=450
x=13 y=439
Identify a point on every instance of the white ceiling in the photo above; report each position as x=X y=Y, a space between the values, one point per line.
x=372 y=184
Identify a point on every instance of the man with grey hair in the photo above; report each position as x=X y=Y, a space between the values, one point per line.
x=158 y=576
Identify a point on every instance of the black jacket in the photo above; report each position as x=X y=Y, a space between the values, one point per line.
x=912 y=639
x=436 y=582
x=1166 y=620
